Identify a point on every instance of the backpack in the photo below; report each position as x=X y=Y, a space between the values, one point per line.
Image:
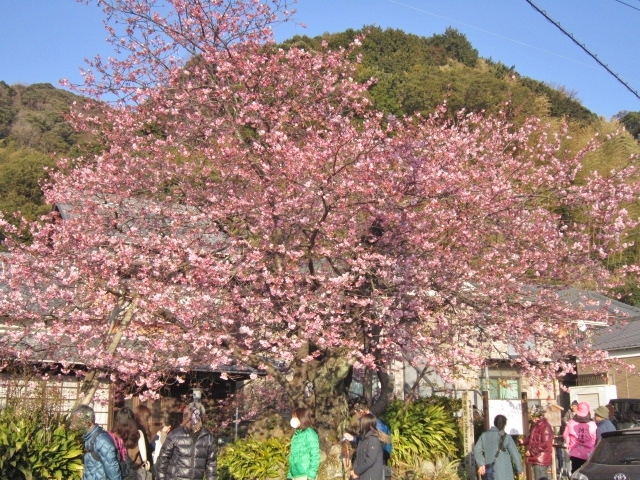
x=121 y=452
x=384 y=434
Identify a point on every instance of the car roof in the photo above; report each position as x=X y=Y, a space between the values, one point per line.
x=619 y=433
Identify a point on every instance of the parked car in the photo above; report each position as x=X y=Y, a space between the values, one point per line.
x=616 y=457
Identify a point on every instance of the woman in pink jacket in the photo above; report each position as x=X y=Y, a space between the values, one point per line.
x=580 y=436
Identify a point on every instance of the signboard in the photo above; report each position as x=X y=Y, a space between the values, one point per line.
x=512 y=409
x=554 y=415
x=468 y=434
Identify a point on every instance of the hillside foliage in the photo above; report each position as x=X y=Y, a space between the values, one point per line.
x=33 y=132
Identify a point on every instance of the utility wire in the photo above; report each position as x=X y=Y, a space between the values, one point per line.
x=630 y=6
x=583 y=47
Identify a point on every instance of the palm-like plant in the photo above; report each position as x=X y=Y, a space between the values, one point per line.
x=422 y=430
x=440 y=468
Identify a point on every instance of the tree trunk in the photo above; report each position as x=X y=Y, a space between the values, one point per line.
x=331 y=381
x=92 y=381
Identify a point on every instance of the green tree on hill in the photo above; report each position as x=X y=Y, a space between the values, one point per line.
x=631 y=121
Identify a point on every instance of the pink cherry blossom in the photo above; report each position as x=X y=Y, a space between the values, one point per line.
x=248 y=206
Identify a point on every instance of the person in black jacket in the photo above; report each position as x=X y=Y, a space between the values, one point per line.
x=190 y=451
x=369 y=459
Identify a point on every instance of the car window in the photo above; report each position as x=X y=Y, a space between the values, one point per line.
x=618 y=450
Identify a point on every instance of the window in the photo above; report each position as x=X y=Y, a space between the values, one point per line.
x=619 y=449
x=504 y=388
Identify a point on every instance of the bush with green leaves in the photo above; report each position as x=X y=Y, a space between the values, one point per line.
x=440 y=468
x=36 y=445
x=426 y=437
x=251 y=459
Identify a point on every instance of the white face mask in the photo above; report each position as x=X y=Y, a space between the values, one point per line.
x=294 y=422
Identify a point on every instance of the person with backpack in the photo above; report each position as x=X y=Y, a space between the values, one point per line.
x=126 y=437
x=383 y=432
x=100 y=457
x=190 y=451
x=368 y=464
x=496 y=454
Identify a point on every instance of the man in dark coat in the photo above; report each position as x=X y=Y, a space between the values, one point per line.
x=539 y=444
x=190 y=451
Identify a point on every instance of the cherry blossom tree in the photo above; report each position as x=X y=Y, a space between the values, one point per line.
x=249 y=206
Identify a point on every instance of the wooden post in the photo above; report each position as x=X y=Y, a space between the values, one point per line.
x=485 y=409
x=468 y=434
x=525 y=431
x=554 y=415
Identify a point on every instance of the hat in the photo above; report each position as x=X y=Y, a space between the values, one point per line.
x=601 y=411
x=583 y=409
x=575 y=402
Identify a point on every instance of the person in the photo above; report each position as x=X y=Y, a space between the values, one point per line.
x=580 y=436
x=613 y=414
x=127 y=438
x=539 y=444
x=304 y=453
x=603 y=424
x=190 y=451
x=100 y=460
x=384 y=433
x=571 y=412
x=143 y=416
x=369 y=463
x=627 y=420
x=496 y=448
x=159 y=439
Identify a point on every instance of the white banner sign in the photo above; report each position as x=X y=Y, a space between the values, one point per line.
x=512 y=409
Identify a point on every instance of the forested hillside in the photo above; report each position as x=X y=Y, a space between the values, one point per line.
x=415 y=74
x=412 y=74
x=33 y=131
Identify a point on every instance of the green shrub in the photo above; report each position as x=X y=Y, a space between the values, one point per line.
x=250 y=459
x=424 y=431
x=439 y=469
x=35 y=445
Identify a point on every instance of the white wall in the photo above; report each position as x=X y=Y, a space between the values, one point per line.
x=594 y=395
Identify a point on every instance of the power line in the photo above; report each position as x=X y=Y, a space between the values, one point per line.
x=630 y=6
x=494 y=34
x=583 y=47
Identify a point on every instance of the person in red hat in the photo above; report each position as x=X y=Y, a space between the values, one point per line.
x=580 y=436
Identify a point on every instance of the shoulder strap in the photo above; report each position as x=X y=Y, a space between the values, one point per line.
x=500 y=445
x=120 y=448
x=92 y=445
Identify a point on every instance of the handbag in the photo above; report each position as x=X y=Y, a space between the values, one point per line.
x=144 y=474
x=488 y=468
x=488 y=471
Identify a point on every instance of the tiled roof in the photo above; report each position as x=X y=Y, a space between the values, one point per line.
x=619 y=337
x=624 y=335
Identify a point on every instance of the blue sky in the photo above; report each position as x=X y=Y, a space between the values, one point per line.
x=46 y=40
